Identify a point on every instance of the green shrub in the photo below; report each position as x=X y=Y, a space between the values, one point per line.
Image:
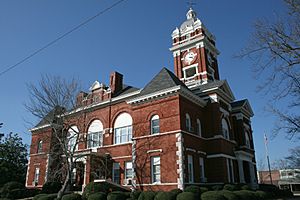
x=217 y=187
x=7 y=188
x=147 y=195
x=135 y=194
x=97 y=196
x=36 y=197
x=165 y=196
x=229 y=195
x=17 y=194
x=73 y=196
x=51 y=187
x=48 y=197
x=261 y=195
x=213 y=195
x=187 y=196
x=196 y=190
x=246 y=195
x=231 y=187
x=117 y=195
x=176 y=191
x=246 y=187
x=31 y=192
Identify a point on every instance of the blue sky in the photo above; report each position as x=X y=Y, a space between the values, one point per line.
x=132 y=38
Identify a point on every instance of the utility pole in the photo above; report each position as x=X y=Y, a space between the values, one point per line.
x=267 y=155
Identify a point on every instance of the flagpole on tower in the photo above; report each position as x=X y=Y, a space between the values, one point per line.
x=267 y=155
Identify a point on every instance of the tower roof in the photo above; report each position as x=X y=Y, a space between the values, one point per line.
x=191 y=20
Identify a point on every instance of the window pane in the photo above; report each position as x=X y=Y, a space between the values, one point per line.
x=190 y=72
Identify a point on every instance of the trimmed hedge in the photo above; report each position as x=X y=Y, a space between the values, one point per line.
x=51 y=187
x=165 y=196
x=117 y=195
x=48 y=197
x=12 y=189
x=245 y=195
x=213 y=195
x=73 y=196
x=135 y=195
x=196 y=190
x=261 y=195
x=147 y=195
x=217 y=187
x=246 y=187
x=229 y=195
x=231 y=187
x=97 y=196
x=187 y=196
x=36 y=197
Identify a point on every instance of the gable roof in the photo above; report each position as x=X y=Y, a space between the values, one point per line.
x=242 y=105
x=163 y=80
x=218 y=85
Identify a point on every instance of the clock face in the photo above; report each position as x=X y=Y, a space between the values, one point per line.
x=190 y=57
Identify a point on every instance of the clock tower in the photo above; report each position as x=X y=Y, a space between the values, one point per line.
x=194 y=52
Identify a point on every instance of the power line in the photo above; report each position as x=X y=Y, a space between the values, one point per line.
x=60 y=37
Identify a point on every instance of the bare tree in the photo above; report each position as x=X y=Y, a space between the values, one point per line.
x=50 y=100
x=293 y=160
x=274 y=49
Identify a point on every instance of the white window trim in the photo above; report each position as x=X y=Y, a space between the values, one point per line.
x=125 y=173
x=155 y=117
x=152 y=170
x=36 y=176
x=230 y=170
x=189 y=67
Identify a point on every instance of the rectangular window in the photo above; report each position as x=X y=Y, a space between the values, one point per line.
x=123 y=134
x=128 y=170
x=230 y=170
x=36 y=176
x=94 y=139
x=201 y=169
x=155 y=169
x=190 y=72
x=116 y=173
x=190 y=169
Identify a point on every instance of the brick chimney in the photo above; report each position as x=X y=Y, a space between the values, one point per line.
x=116 y=82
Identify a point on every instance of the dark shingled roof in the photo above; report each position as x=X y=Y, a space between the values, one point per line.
x=238 y=103
x=216 y=83
x=50 y=116
x=163 y=80
x=126 y=90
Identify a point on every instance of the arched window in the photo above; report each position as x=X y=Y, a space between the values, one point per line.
x=188 y=124
x=199 y=127
x=247 y=139
x=123 y=128
x=73 y=134
x=40 y=146
x=95 y=133
x=155 y=124
x=225 y=129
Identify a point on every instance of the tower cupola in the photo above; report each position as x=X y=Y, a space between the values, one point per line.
x=194 y=51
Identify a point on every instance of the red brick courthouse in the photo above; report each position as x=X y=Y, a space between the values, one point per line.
x=182 y=128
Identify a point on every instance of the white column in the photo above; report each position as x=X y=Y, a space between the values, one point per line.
x=241 y=171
